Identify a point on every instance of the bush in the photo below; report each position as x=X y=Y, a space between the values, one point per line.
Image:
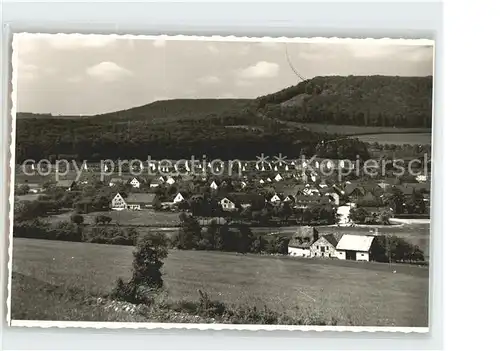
x=391 y=248
x=151 y=250
x=208 y=307
x=111 y=235
x=77 y=219
x=136 y=294
x=146 y=279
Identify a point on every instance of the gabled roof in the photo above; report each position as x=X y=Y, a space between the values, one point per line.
x=311 y=199
x=350 y=188
x=142 y=198
x=244 y=198
x=330 y=238
x=406 y=190
x=304 y=237
x=355 y=242
x=293 y=190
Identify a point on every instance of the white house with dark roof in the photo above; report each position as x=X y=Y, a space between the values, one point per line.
x=179 y=198
x=135 y=183
x=170 y=180
x=135 y=201
x=139 y=201
x=227 y=204
x=354 y=247
x=275 y=199
x=214 y=185
x=118 y=203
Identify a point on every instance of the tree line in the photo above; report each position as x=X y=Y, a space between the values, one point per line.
x=192 y=236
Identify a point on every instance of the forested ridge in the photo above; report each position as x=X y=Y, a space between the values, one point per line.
x=231 y=128
x=354 y=100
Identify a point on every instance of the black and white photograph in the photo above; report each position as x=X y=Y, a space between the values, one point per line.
x=221 y=182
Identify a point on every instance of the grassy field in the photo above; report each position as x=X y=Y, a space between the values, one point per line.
x=352 y=293
x=27 y=197
x=356 y=130
x=382 y=135
x=398 y=138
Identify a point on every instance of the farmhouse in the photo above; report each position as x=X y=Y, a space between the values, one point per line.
x=304 y=201
x=214 y=185
x=278 y=177
x=354 y=247
x=118 y=203
x=179 y=198
x=325 y=246
x=289 y=198
x=309 y=191
x=135 y=183
x=227 y=204
x=139 y=201
x=235 y=201
x=275 y=199
x=170 y=181
x=300 y=243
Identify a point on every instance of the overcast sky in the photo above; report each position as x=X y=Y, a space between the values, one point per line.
x=64 y=74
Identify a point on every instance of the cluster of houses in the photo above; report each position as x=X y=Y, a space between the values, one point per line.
x=259 y=185
x=308 y=243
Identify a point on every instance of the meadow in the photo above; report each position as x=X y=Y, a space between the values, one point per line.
x=397 y=138
x=382 y=132
x=352 y=293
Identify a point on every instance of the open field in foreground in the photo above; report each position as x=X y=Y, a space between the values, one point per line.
x=353 y=293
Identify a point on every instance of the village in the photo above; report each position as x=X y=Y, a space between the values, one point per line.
x=280 y=195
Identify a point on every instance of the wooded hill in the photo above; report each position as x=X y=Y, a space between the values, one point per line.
x=231 y=128
x=354 y=100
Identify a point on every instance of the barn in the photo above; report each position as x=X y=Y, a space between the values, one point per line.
x=139 y=201
x=300 y=243
x=354 y=247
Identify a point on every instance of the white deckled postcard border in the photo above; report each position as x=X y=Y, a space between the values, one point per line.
x=129 y=325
